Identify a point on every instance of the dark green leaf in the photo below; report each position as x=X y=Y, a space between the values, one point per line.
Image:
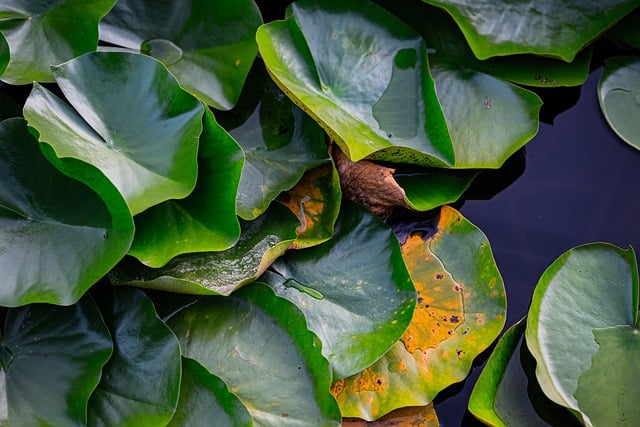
x=219 y=273
x=204 y=221
x=204 y=397
x=208 y=45
x=258 y=344
x=544 y=27
x=354 y=290
x=279 y=140
x=42 y=33
x=128 y=118
x=4 y=54
x=53 y=358
x=57 y=236
x=141 y=382
x=628 y=29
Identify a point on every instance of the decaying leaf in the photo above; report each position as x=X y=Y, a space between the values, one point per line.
x=418 y=416
x=369 y=184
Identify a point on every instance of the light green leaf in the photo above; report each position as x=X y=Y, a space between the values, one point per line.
x=354 y=290
x=588 y=287
x=53 y=358
x=544 y=27
x=41 y=33
x=141 y=382
x=208 y=45
x=57 y=236
x=258 y=344
x=429 y=189
x=127 y=117
x=618 y=94
x=206 y=219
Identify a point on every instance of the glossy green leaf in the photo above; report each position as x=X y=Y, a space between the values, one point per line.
x=205 y=397
x=354 y=290
x=426 y=190
x=460 y=310
x=218 y=273
x=315 y=201
x=53 y=358
x=127 y=117
x=140 y=383
x=507 y=393
x=41 y=33
x=258 y=344
x=607 y=390
x=206 y=219
x=75 y=236
x=363 y=75
x=279 y=140
x=208 y=45
x=618 y=92
x=4 y=54
x=628 y=29
x=588 y=287
x=546 y=27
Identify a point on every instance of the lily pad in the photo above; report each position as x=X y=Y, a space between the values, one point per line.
x=208 y=45
x=588 y=287
x=618 y=93
x=628 y=29
x=421 y=416
x=4 y=54
x=459 y=312
x=280 y=143
x=128 y=117
x=206 y=219
x=218 y=273
x=43 y=33
x=75 y=235
x=429 y=189
x=363 y=75
x=258 y=344
x=205 y=397
x=141 y=382
x=545 y=27
x=53 y=358
x=354 y=290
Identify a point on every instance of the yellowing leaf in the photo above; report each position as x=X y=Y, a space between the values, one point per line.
x=422 y=416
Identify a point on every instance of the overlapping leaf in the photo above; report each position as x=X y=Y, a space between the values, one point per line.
x=218 y=273
x=42 y=33
x=279 y=140
x=52 y=358
x=204 y=221
x=4 y=54
x=141 y=381
x=75 y=235
x=127 y=117
x=258 y=344
x=354 y=290
x=618 y=92
x=429 y=189
x=545 y=27
x=208 y=45
x=587 y=288
x=460 y=311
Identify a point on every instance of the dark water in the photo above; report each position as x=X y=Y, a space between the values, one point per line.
x=579 y=185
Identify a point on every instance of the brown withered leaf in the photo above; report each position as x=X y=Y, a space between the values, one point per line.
x=369 y=184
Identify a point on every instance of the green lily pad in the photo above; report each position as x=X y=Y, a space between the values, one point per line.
x=140 y=383
x=427 y=190
x=459 y=312
x=258 y=344
x=218 y=273
x=588 y=287
x=206 y=219
x=41 y=33
x=208 y=45
x=53 y=358
x=363 y=75
x=4 y=54
x=546 y=27
x=619 y=96
x=75 y=235
x=127 y=117
x=607 y=390
x=205 y=397
x=354 y=290
x=280 y=142
x=507 y=393
x=628 y=29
